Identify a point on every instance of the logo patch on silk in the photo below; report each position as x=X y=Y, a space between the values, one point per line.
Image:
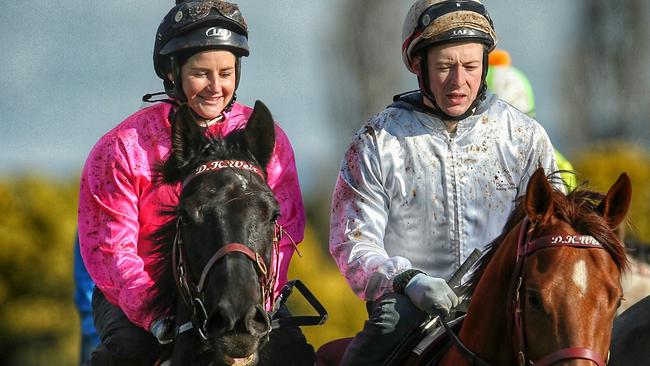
x=503 y=181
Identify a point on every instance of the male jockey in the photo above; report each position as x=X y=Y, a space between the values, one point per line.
x=511 y=84
x=430 y=178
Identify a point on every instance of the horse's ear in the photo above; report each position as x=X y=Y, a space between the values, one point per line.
x=539 y=202
x=187 y=138
x=617 y=201
x=260 y=134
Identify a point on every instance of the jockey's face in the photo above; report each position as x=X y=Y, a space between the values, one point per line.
x=455 y=72
x=208 y=80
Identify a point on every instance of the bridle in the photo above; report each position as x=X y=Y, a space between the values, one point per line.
x=525 y=247
x=193 y=293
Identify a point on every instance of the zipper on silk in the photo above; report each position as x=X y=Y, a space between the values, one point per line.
x=455 y=237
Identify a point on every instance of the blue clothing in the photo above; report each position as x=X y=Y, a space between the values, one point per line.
x=82 y=298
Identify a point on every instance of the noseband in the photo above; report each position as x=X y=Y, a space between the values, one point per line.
x=525 y=247
x=193 y=294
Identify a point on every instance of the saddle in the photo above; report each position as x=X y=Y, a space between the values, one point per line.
x=430 y=341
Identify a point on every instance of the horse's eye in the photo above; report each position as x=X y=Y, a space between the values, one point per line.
x=534 y=300
x=190 y=216
x=185 y=218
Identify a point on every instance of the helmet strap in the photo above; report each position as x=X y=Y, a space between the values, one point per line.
x=237 y=71
x=148 y=98
x=228 y=106
x=174 y=87
x=483 y=88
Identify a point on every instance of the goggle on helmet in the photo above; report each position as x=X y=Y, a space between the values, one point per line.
x=431 y=22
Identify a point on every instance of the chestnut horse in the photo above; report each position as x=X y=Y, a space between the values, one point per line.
x=547 y=289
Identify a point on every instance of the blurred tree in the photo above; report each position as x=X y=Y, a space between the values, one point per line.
x=365 y=74
x=38 y=321
x=317 y=271
x=610 y=81
x=372 y=31
x=601 y=165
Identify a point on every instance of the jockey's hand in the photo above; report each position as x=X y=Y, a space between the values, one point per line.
x=163 y=330
x=432 y=295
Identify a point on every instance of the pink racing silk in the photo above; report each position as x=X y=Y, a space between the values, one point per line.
x=120 y=203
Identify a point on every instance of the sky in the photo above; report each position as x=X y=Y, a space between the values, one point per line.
x=73 y=70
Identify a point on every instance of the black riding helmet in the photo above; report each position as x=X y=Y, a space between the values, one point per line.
x=194 y=26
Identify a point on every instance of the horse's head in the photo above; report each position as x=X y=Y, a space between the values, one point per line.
x=571 y=281
x=224 y=232
x=556 y=272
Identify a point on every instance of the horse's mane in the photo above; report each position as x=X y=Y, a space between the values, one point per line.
x=170 y=171
x=579 y=209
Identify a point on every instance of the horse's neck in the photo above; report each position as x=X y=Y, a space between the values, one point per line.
x=485 y=329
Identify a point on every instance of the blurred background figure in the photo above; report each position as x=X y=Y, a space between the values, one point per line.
x=83 y=293
x=512 y=85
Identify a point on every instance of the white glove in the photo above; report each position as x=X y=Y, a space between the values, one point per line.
x=163 y=330
x=432 y=295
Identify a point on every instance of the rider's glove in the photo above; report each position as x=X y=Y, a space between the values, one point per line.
x=163 y=330
x=432 y=295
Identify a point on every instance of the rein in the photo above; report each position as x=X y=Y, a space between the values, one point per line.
x=525 y=247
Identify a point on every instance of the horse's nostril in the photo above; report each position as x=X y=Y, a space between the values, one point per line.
x=257 y=320
x=222 y=319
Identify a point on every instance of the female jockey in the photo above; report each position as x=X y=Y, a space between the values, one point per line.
x=197 y=53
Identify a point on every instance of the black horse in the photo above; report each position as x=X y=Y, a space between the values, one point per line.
x=631 y=336
x=217 y=250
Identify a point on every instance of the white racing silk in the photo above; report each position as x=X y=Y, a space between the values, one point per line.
x=411 y=195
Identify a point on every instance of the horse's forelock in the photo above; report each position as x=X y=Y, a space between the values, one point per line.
x=578 y=209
